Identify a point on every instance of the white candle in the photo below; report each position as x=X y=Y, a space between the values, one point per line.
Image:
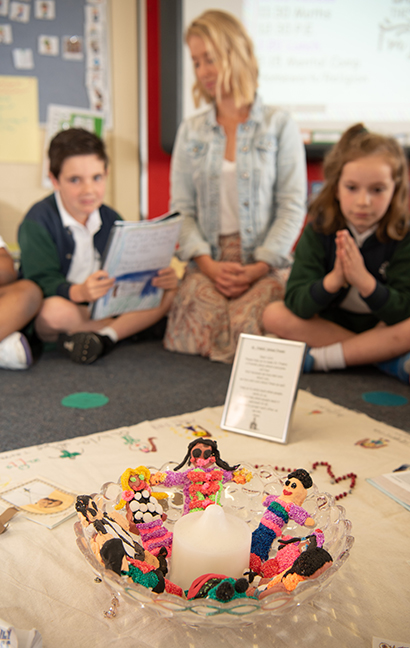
x=209 y=541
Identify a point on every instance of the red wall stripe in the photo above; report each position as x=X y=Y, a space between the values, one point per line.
x=158 y=160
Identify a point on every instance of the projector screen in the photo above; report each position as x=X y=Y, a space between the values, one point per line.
x=331 y=63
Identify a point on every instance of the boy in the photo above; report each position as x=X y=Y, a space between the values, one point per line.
x=62 y=239
x=19 y=303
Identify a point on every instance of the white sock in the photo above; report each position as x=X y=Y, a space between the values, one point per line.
x=109 y=332
x=328 y=357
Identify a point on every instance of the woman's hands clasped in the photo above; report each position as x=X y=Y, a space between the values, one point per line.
x=231 y=279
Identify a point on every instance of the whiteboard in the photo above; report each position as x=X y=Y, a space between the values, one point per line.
x=331 y=63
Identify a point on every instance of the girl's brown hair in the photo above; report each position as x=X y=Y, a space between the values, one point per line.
x=232 y=50
x=355 y=143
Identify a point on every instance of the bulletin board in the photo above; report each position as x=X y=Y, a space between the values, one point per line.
x=62 y=43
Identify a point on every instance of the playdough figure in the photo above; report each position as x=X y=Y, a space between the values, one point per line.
x=279 y=510
x=202 y=483
x=312 y=561
x=110 y=536
x=144 y=513
x=289 y=550
x=218 y=587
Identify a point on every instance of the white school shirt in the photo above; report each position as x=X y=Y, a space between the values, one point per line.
x=228 y=199
x=86 y=259
x=2 y=243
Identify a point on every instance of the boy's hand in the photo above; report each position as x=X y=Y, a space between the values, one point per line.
x=353 y=265
x=94 y=287
x=166 y=279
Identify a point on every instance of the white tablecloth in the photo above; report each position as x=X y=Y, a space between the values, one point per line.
x=45 y=582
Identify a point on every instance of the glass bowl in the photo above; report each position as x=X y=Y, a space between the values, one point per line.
x=244 y=501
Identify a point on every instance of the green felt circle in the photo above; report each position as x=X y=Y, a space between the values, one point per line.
x=84 y=400
x=384 y=398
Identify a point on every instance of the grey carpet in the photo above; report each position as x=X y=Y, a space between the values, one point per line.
x=145 y=382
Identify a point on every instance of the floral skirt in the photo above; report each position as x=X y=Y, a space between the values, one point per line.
x=204 y=322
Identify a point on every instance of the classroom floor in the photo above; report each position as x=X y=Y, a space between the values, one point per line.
x=141 y=381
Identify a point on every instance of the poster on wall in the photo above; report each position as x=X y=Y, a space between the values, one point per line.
x=19 y=135
x=64 y=117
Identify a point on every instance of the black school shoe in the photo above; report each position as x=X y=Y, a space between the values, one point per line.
x=154 y=332
x=84 y=348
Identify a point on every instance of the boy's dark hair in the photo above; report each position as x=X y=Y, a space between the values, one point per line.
x=74 y=141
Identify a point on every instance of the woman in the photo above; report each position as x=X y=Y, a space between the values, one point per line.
x=238 y=176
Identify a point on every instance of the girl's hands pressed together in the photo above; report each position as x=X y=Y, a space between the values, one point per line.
x=335 y=279
x=354 y=269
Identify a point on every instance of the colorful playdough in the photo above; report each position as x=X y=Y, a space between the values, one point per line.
x=207 y=552
x=202 y=484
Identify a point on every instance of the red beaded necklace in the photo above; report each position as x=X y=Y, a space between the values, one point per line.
x=334 y=480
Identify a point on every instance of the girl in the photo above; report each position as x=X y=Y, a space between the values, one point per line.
x=238 y=177
x=348 y=295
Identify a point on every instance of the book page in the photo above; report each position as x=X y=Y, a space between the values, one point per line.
x=137 y=250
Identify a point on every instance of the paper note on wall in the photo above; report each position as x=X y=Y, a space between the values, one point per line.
x=19 y=132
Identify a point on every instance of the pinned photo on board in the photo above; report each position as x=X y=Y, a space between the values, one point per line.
x=23 y=59
x=19 y=11
x=45 y=9
x=4 y=8
x=48 y=45
x=73 y=48
x=6 y=34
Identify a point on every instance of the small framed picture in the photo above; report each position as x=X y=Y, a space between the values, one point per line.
x=263 y=387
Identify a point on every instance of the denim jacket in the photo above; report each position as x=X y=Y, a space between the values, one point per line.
x=271 y=172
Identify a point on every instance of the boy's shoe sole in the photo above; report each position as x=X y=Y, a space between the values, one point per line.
x=83 y=348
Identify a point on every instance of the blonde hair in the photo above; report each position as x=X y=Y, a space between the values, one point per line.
x=232 y=50
x=355 y=143
x=125 y=477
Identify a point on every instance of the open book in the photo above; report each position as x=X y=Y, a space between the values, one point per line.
x=396 y=485
x=135 y=251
